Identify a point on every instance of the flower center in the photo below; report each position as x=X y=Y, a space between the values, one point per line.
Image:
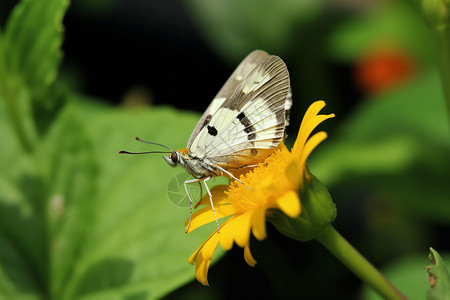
x=267 y=182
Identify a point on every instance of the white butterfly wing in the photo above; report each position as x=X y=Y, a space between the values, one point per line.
x=250 y=121
x=245 y=67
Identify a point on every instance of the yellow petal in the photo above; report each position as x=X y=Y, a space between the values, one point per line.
x=292 y=173
x=201 y=270
x=305 y=131
x=259 y=223
x=313 y=110
x=248 y=257
x=206 y=215
x=210 y=246
x=196 y=252
x=311 y=144
x=289 y=203
x=237 y=228
x=242 y=237
x=194 y=255
x=225 y=240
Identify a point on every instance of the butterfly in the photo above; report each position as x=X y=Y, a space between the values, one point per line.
x=241 y=127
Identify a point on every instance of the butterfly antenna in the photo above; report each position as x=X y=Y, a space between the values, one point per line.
x=126 y=152
x=140 y=140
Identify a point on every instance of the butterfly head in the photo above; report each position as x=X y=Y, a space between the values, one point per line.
x=194 y=166
x=174 y=159
x=177 y=157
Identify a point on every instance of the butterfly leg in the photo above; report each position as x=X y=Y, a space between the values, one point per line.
x=201 y=194
x=232 y=176
x=190 y=200
x=212 y=204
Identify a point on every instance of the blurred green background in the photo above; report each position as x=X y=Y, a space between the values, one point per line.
x=79 y=81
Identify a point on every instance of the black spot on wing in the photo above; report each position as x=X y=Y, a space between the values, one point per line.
x=212 y=130
x=249 y=128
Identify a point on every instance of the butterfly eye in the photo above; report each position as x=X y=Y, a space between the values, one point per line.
x=174 y=157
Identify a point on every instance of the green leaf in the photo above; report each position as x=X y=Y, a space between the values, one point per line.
x=399 y=144
x=32 y=40
x=23 y=249
x=29 y=60
x=42 y=204
x=235 y=28
x=439 y=278
x=77 y=220
x=136 y=245
x=69 y=168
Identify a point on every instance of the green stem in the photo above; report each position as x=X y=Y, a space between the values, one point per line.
x=351 y=258
x=442 y=37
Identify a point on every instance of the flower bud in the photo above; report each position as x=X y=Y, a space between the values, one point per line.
x=318 y=211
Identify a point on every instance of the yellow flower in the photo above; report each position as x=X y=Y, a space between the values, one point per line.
x=274 y=184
